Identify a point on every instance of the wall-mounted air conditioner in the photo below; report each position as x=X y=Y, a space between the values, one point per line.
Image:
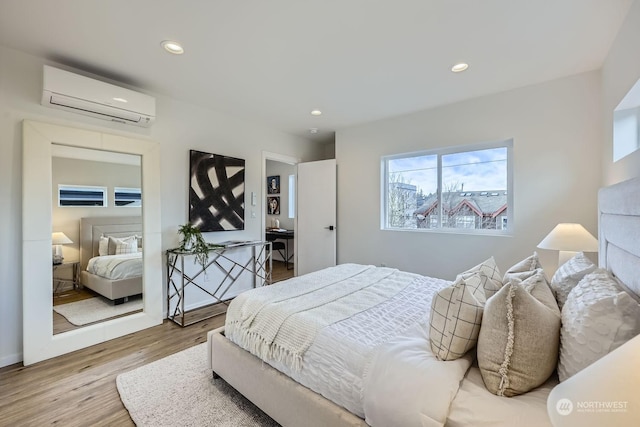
x=79 y=94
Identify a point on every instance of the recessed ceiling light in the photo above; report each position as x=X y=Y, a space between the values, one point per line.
x=120 y=99
x=459 y=67
x=316 y=112
x=172 y=47
x=313 y=130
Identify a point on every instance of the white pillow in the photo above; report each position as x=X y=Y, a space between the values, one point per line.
x=597 y=318
x=568 y=276
x=103 y=246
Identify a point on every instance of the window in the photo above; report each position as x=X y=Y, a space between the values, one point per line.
x=292 y=196
x=130 y=197
x=81 y=195
x=464 y=189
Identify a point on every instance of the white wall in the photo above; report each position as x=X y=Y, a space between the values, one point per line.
x=179 y=128
x=556 y=128
x=620 y=72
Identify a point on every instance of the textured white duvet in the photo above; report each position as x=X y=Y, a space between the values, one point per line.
x=362 y=361
x=116 y=267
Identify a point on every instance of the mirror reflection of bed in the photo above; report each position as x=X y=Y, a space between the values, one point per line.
x=105 y=250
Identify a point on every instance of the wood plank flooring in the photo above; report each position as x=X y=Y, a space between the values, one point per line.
x=79 y=388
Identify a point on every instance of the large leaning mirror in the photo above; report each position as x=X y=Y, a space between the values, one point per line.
x=96 y=235
x=42 y=143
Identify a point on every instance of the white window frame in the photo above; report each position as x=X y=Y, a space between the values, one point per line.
x=130 y=190
x=384 y=208
x=82 y=188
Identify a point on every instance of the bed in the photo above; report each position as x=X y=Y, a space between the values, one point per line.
x=384 y=389
x=115 y=277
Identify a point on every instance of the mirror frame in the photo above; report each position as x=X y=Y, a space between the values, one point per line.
x=39 y=342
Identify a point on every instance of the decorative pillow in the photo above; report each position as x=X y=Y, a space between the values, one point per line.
x=113 y=243
x=518 y=341
x=523 y=269
x=456 y=315
x=597 y=318
x=127 y=247
x=103 y=246
x=490 y=269
x=568 y=276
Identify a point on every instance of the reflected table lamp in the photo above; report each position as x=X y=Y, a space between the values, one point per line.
x=57 y=240
x=569 y=239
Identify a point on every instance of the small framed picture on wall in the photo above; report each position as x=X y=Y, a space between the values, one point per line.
x=273 y=205
x=273 y=184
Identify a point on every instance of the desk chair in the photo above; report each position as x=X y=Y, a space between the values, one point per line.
x=280 y=247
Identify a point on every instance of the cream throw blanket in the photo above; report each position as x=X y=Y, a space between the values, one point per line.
x=280 y=322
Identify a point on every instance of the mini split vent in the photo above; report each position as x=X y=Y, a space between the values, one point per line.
x=79 y=94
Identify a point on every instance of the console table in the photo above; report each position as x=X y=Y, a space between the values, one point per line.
x=221 y=261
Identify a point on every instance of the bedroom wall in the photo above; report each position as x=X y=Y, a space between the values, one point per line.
x=180 y=127
x=620 y=72
x=556 y=128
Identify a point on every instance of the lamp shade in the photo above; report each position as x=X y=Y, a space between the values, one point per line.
x=59 y=238
x=569 y=237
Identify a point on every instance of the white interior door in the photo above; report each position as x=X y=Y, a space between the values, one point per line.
x=316 y=214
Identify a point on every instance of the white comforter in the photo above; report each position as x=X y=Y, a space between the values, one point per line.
x=362 y=361
x=116 y=267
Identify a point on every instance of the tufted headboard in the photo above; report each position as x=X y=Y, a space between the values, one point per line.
x=619 y=232
x=91 y=229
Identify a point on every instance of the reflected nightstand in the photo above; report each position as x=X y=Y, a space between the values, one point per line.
x=60 y=280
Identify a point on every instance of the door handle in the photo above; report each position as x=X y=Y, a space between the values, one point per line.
x=329 y=228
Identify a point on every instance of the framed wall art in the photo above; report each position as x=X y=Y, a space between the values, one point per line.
x=216 y=192
x=273 y=184
x=273 y=205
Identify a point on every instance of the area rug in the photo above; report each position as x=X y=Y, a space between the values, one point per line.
x=179 y=390
x=95 y=309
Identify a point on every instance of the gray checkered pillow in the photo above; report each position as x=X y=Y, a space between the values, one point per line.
x=456 y=315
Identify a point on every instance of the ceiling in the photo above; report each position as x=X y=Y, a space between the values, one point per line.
x=274 y=61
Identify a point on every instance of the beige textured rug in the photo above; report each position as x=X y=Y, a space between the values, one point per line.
x=95 y=309
x=179 y=391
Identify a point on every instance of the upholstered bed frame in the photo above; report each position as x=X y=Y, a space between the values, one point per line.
x=292 y=404
x=91 y=229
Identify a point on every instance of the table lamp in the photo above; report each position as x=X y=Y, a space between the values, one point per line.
x=569 y=239
x=57 y=240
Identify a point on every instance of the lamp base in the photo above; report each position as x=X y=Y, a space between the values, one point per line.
x=564 y=256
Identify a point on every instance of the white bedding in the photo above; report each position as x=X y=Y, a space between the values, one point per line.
x=336 y=365
x=116 y=267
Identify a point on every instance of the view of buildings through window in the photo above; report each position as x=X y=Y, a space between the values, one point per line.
x=475 y=187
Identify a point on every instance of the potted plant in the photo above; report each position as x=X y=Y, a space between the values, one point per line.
x=193 y=242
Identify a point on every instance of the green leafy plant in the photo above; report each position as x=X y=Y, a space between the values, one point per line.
x=193 y=242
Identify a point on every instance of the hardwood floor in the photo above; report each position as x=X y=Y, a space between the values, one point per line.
x=79 y=388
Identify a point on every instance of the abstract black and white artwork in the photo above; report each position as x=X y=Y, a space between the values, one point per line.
x=216 y=192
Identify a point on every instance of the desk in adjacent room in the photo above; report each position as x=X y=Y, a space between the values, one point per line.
x=286 y=235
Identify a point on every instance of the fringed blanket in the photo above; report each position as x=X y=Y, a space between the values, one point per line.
x=280 y=322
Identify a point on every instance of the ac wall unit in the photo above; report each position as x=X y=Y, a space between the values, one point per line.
x=79 y=94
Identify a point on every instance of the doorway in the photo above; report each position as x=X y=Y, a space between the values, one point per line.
x=279 y=218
